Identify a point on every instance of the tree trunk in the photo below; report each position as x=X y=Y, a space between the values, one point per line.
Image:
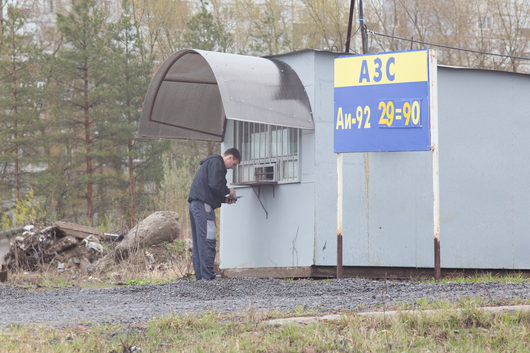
x=88 y=142
x=16 y=170
x=129 y=143
x=131 y=184
x=89 y=185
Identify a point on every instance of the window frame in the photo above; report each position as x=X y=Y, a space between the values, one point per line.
x=262 y=157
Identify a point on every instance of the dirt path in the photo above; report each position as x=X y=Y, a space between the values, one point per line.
x=141 y=303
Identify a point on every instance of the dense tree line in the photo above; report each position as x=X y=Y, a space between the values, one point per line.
x=70 y=96
x=68 y=118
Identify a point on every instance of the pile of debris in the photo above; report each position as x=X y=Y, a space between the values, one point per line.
x=63 y=245
x=75 y=247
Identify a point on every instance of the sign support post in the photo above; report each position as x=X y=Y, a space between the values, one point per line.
x=435 y=160
x=339 y=216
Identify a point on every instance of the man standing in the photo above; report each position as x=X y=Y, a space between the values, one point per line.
x=207 y=192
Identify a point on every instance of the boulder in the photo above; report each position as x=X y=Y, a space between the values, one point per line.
x=159 y=227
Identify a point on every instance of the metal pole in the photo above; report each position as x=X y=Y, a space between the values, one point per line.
x=365 y=50
x=364 y=34
x=433 y=73
x=339 y=170
x=339 y=216
x=352 y=8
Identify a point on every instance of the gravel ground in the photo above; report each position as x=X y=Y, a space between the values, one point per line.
x=140 y=303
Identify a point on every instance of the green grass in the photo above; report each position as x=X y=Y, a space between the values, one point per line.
x=487 y=277
x=466 y=330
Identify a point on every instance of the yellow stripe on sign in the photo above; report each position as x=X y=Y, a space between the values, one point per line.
x=381 y=69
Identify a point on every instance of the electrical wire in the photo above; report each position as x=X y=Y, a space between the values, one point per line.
x=447 y=46
x=353 y=35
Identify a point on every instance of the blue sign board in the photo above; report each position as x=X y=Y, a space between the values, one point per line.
x=382 y=102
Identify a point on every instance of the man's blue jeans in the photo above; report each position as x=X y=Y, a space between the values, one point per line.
x=203 y=228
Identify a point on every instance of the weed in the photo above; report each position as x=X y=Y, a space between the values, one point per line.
x=422 y=303
x=27 y=211
x=486 y=277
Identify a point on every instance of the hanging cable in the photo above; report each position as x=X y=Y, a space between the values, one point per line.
x=447 y=46
x=348 y=36
x=353 y=35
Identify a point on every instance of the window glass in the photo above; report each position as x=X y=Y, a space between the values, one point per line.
x=269 y=153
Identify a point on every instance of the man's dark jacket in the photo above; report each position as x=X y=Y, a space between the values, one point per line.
x=209 y=184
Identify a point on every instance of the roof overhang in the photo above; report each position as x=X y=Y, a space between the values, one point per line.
x=195 y=91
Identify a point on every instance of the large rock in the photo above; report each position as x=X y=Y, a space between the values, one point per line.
x=158 y=227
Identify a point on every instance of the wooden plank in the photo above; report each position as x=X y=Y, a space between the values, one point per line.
x=390 y=273
x=268 y=272
x=377 y=273
x=78 y=230
x=408 y=273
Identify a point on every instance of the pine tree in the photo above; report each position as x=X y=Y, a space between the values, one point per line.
x=81 y=71
x=131 y=73
x=205 y=31
x=20 y=149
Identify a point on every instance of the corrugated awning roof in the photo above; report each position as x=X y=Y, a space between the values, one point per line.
x=195 y=91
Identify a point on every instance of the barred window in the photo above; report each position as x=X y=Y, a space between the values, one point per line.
x=269 y=153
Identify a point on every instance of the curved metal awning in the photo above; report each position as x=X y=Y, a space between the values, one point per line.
x=195 y=91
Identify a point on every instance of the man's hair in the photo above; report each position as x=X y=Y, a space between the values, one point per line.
x=234 y=152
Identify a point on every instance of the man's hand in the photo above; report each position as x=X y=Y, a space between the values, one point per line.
x=231 y=197
x=230 y=201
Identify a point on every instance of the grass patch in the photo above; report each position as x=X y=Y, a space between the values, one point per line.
x=467 y=330
x=38 y=281
x=486 y=277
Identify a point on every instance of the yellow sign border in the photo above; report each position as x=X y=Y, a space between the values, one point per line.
x=381 y=69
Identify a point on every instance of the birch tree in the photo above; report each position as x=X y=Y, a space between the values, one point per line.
x=161 y=24
x=478 y=26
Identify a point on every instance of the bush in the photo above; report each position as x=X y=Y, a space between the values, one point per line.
x=26 y=211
